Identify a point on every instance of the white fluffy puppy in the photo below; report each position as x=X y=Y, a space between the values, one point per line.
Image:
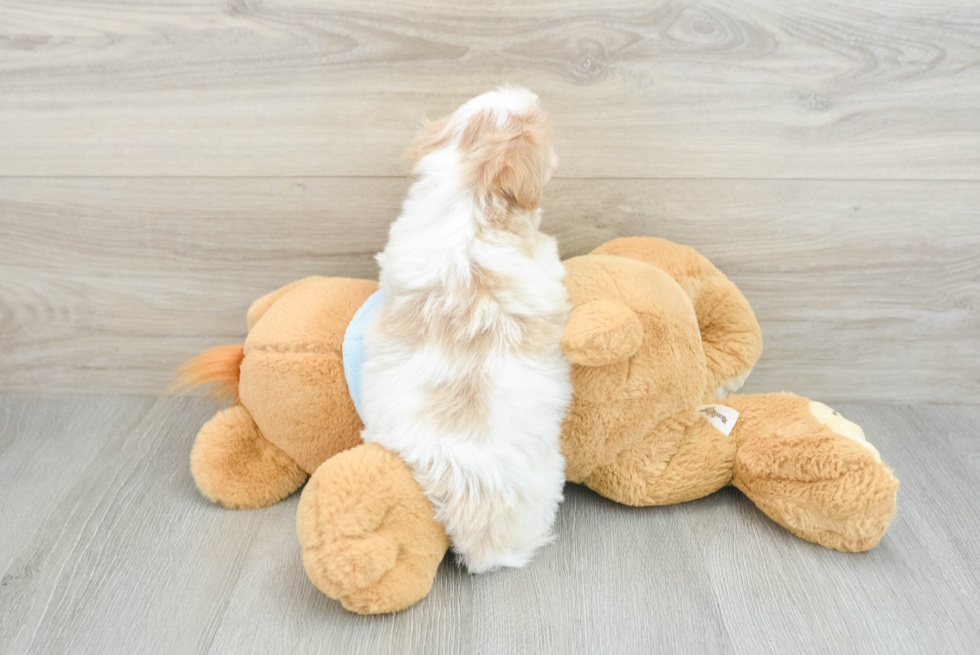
x=464 y=377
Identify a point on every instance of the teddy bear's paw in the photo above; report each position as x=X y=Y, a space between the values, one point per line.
x=821 y=480
x=235 y=466
x=368 y=533
x=833 y=420
x=728 y=387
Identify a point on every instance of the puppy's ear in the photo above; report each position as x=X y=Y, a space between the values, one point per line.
x=509 y=161
x=521 y=173
x=601 y=332
x=432 y=135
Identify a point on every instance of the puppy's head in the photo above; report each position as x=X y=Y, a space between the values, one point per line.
x=503 y=142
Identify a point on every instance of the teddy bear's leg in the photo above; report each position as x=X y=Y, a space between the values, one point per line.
x=234 y=465
x=730 y=332
x=812 y=471
x=684 y=459
x=369 y=535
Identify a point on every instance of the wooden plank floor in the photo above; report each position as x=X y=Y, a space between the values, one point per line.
x=106 y=547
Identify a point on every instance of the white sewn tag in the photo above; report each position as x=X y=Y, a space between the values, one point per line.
x=720 y=416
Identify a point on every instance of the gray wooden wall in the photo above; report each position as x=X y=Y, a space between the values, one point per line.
x=162 y=164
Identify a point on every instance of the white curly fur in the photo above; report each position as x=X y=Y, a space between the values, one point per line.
x=464 y=376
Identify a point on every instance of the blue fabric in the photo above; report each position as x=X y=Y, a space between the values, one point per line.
x=353 y=348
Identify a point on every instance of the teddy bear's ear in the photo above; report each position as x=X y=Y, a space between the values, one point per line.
x=601 y=332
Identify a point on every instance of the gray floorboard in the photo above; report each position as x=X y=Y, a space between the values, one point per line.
x=106 y=547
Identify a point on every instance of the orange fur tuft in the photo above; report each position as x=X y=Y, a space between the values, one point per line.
x=220 y=367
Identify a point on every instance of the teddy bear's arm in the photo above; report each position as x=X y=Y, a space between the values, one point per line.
x=601 y=332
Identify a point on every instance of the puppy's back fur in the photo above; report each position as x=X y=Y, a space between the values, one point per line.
x=465 y=378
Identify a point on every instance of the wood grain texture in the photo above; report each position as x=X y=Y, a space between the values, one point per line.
x=107 y=547
x=759 y=89
x=865 y=290
x=163 y=164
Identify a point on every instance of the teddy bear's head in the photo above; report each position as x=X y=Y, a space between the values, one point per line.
x=634 y=342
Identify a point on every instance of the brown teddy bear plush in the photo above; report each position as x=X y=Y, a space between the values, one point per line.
x=658 y=338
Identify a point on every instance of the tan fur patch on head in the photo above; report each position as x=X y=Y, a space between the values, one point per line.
x=507 y=161
x=502 y=159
